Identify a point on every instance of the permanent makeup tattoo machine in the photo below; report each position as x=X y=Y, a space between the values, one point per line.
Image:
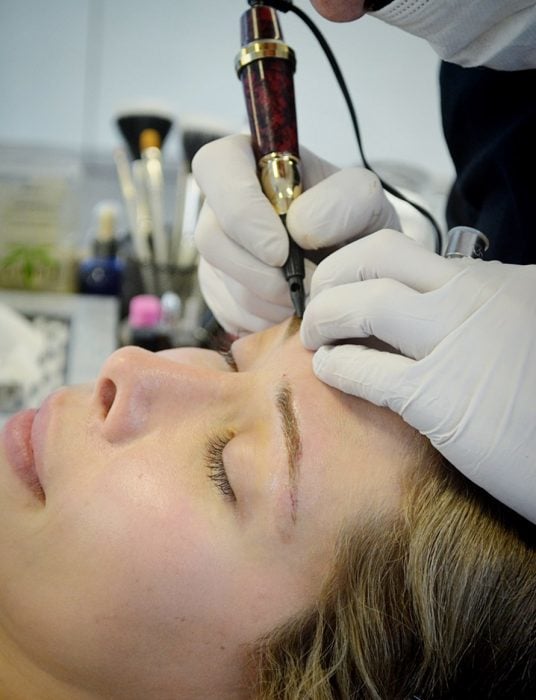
x=265 y=66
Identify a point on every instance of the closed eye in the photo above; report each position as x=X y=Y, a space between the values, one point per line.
x=216 y=468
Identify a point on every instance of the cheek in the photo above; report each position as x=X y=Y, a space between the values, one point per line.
x=116 y=559
x=122 y=571
x=121 y=524
x=148 y=527
x=135 y=520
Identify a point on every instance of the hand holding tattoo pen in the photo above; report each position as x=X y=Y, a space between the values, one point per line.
x=265 y=66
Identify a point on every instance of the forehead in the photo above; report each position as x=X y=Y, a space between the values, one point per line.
x=353 y=452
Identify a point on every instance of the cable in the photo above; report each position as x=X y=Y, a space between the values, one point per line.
x=285 y=6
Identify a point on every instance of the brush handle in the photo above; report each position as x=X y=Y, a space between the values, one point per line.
x=265 y=66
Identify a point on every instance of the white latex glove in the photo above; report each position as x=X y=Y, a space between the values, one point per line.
x=466 y=329
x=243 y=244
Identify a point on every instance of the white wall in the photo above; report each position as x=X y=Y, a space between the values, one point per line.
x=67 y=65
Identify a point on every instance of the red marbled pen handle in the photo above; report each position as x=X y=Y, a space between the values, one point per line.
x=265 y=66
x=266 y=74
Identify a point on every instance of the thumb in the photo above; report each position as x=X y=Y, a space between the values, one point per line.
x=346 y=205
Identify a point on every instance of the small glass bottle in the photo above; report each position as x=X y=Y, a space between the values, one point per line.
x=102 y=273
x=144 y=326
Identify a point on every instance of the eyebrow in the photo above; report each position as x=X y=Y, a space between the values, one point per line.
x=292 y=328
x=293 y=443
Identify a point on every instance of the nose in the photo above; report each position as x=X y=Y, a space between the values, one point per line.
x=137 y=391
x=257 y=348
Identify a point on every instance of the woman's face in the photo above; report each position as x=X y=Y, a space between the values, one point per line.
x=188 y=508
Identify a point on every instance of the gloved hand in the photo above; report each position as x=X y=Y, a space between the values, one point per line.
x=243 y=244
x=466 y=331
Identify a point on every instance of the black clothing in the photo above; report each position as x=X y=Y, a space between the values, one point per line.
x=489 y=121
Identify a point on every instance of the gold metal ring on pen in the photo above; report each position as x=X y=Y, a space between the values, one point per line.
x=264 y=49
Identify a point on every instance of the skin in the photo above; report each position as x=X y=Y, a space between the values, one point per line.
x=340 y=10
x=136 y=578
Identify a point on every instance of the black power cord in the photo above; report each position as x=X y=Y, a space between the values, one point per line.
x=286 y=6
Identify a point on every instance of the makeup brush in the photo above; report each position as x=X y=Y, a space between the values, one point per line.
x=189 y=196
x=144 y=132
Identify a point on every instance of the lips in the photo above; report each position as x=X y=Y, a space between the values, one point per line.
x=17 y=439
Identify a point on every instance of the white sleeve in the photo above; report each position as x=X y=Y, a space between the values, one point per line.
x=499 y=34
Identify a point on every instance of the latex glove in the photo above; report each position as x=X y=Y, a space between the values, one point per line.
x=466 y=329
x=243 y=244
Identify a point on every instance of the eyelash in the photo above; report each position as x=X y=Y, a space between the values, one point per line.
x=227 y=355
x=216 y=467
x=223 y=348
x=215 y=446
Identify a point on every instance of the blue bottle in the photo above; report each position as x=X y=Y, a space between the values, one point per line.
x=103 y=272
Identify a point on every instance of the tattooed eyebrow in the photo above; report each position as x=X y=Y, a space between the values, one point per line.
x=293 y=443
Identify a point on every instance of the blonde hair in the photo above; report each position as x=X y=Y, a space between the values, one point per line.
x=436 y=602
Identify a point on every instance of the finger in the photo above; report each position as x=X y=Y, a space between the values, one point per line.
x=411 y=322
x=385 y=254
x=222 y=252
x=378 y=377
x=236 y=304
x=346 y=205
x=227 y=173
x=224 y=307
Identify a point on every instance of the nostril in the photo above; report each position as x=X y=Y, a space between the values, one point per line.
x=107 y=392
